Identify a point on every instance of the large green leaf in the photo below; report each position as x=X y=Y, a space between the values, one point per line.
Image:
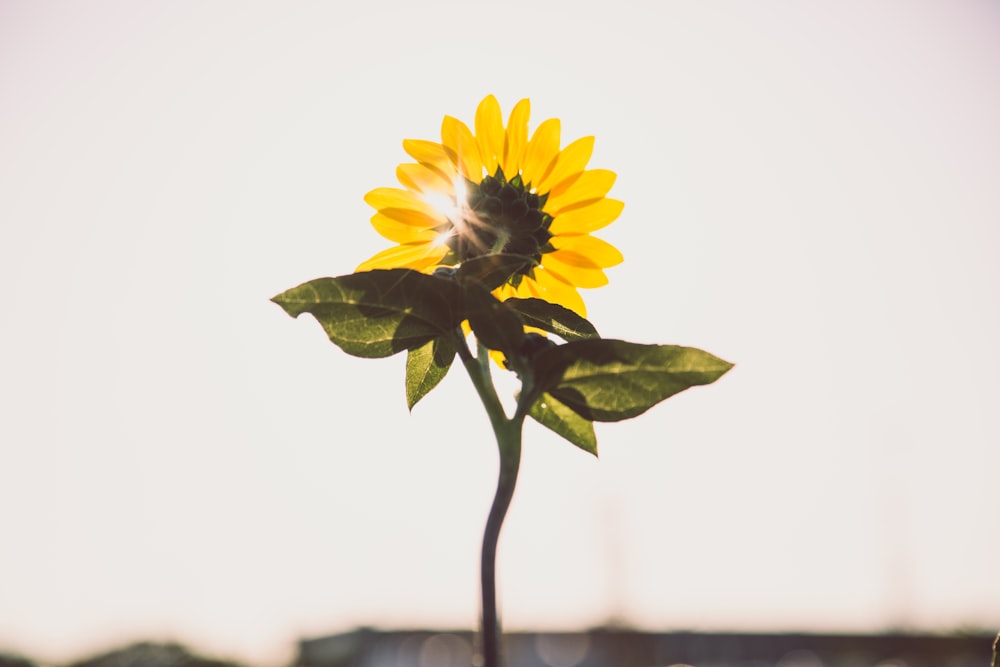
x=426 y=366
x=551 y=413
x=492 y=271
x=378 y=313
x=495 y=325
x=611 y=380
x=553 y=318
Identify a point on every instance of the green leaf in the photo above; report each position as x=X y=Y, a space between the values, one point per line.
x=426 y=366
x=495 y=325
x=492 y=271
x=551 y=413
x=553 y=318
x=611 y=380
x=378 y=313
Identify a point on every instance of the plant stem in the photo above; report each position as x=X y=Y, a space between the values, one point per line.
x=509 y=442
x=508 y=436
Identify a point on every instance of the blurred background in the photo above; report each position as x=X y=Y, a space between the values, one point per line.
x=811 y=192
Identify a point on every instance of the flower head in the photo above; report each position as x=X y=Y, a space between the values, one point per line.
x=497 y=190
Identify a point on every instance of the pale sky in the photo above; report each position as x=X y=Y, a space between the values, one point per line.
x=812 y=191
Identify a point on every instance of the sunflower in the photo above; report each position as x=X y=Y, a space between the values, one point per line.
x=497 y=190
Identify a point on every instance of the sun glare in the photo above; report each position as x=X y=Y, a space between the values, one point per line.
x=456 y=209
x=461 y=192
x=449 y=207
x=441 y=203
x=443 y=237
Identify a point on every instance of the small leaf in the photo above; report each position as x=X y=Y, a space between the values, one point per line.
x=495 y=325
x=611 y=380
x=553 y=318
x=492 y=271
x=551 y=413
x=378 y=313
x=426 y=366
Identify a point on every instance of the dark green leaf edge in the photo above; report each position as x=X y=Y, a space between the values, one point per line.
x=378 y=313
x=564 y=421
x=553 y=318
x=613 y=380
x=426 y=366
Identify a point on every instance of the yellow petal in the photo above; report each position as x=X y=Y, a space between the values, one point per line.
x=542 y=148
x=407 y=216
x=394 y=198
x=600 y=253
x=401 y=232
x=570 y=161
x=572 y=272
x=505 y=292
x=589 y=186
x=423 y=178
x=528 y=288
x=586 y=219
x=554 y=289
x=570 y=258
x=418 y=256
x=431 y=154
x=515 y=139
x=522 y=291
x=457 y=138
x=489 y=133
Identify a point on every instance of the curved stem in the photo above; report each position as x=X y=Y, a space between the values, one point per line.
x=509 y=442
x=479 y=372
x=508 y=436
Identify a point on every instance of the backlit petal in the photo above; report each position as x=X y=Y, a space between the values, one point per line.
x=401 y=232
x=382 y=198
x=590 y=185
x=569 y=258
x=418 y=256
x=425 y=179
x=599 y=252
x=586 y=219
x=530 y=289
x=556 y=290
x=542 y=148
x=457 y=138
x=515 y=139
x=431 y=154
x=407 y=216
x=570 y=161
x=489 y=133
x=572 y=272
x=505 y=292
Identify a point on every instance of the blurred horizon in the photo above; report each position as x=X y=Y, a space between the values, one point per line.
x=593 y=647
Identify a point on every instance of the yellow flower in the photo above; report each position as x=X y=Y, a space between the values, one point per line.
x=497 y=190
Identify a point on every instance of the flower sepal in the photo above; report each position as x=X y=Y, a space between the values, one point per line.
x=492 y=271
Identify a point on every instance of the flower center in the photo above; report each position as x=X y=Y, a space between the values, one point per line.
x=501 y=216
